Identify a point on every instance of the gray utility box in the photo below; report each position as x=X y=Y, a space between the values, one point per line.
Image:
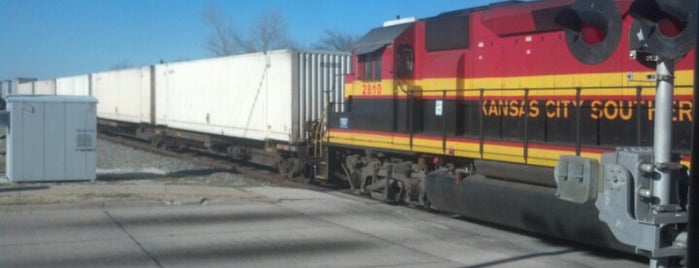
x=51 y=138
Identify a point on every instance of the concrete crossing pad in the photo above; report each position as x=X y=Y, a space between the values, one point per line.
x=284 y=228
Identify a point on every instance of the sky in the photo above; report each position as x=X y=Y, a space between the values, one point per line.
x=47 y=39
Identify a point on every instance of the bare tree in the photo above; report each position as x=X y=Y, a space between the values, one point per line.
x=247 y=45
x=222 y=41
x=335 y=40
x=124 y=64
x=269 y=33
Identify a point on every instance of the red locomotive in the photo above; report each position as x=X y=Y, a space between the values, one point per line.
x=491 y=97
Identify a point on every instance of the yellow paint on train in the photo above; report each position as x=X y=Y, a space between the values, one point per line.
x=513 y=86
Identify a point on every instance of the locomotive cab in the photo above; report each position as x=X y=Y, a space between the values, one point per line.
x=382 y=55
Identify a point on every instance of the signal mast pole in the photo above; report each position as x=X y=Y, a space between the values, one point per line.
x=662 y=132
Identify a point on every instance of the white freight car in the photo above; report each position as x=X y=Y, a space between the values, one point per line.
x=25 y=88
x=5 y=88
x=11 y=86
x=78 y=85
x=262 y=96
x=123 y=95
x=45 y=87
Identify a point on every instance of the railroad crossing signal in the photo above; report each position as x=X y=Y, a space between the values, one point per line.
x=592 y=29
x=665 y=29
x=662 y=29
x=663 y=32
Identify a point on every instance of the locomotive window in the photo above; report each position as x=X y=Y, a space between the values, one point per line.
x=371 y=65
x=406 y=61
x=447 y=32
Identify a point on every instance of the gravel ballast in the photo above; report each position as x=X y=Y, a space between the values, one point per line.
x=120 y=164
x=127 y=174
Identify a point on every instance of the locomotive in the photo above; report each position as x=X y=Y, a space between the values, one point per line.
x=543 y=116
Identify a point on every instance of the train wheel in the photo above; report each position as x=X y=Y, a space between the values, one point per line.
x=294 y=167
x=288 y=167
x=282 y=166
x=156 y=141
x=309 y=173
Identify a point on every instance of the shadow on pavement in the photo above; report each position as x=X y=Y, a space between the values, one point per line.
x=23 y=188
x=156 y=175
x=519 y=258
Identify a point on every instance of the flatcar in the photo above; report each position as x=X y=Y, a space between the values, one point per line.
x=470 y=111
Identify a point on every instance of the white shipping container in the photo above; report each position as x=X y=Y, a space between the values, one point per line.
x=123 y=95
x=253 y=96
x=5 y=88
x=78 y=85
x=10 y=86
x=26 y=88
x=45 y=87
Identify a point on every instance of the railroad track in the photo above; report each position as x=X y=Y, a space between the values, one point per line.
x=217 y=162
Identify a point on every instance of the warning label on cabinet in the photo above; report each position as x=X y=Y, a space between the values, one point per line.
x=85 y=141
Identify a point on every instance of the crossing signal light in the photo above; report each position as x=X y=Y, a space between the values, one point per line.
x=592 y=29
x=663 y=28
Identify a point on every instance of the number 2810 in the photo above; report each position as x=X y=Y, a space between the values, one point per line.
x=371 y=89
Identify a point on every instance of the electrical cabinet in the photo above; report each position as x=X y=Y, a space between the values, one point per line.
x=51 y=138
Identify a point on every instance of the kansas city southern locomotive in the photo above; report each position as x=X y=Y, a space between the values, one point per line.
x=565 y=118
x=471 y=110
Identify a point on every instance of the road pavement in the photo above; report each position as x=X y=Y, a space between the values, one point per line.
x=258 y=227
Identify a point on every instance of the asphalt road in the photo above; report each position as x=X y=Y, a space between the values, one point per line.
x=271 y=227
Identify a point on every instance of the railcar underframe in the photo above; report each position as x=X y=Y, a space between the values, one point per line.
x=514 y=195
x=287 y=159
